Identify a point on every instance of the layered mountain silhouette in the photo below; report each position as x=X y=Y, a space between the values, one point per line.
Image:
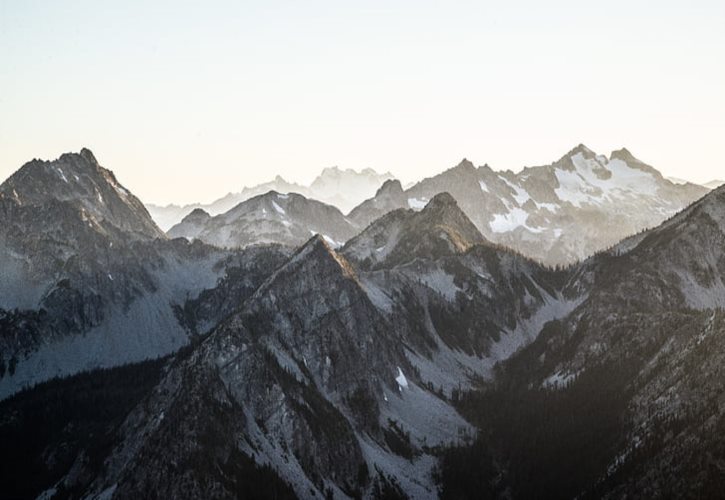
x=559 y=213
x=341 y=188
x=422 y=358
x=326 y=366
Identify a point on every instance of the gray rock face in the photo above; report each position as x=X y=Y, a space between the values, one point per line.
x=325 y=370
x=333 y=348
x=650 y=331
x=559 y=213
x=87 y=279
x=78 y=181
x=440 y=228
x=338 y=370
x=288 y=219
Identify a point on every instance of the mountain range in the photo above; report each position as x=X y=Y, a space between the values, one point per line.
x=407 y=350
x=342 y=188
x=558 y=214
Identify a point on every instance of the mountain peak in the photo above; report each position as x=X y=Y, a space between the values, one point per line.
x=566 y=162
x=391 y=186
x=440 y=229
x=623 y=154
x=441 y=201
x=197 y=214
x=87 y=154
x=581 y=149
x=77 y=181
x=315 y=256
x=465 y=164
x=333 y=170
x=317 y=240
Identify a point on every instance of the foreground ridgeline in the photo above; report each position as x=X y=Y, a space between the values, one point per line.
x=401 y=351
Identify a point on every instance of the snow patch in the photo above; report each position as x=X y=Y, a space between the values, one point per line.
x=520 y=194
x=527 y=330
x=583 y=186
x=331 y=242
x=279 y=209
x=551 y=207
x=416 y=203
x=401 y=380
x=517 y=217
x=62 y=175
x=558 y=380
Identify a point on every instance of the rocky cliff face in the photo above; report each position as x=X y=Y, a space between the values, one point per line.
x=78 y=182
x=440 y=228
x=638 y=359
x=327 y=351
x=315 y=382
x=88 y=279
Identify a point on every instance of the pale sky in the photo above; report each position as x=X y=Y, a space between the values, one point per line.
x=186 y=101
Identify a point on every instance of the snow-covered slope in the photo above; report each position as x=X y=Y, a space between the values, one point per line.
x=289 y=219
x=557 y=213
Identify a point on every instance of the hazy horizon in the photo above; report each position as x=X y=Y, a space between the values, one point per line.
x=186 y=103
